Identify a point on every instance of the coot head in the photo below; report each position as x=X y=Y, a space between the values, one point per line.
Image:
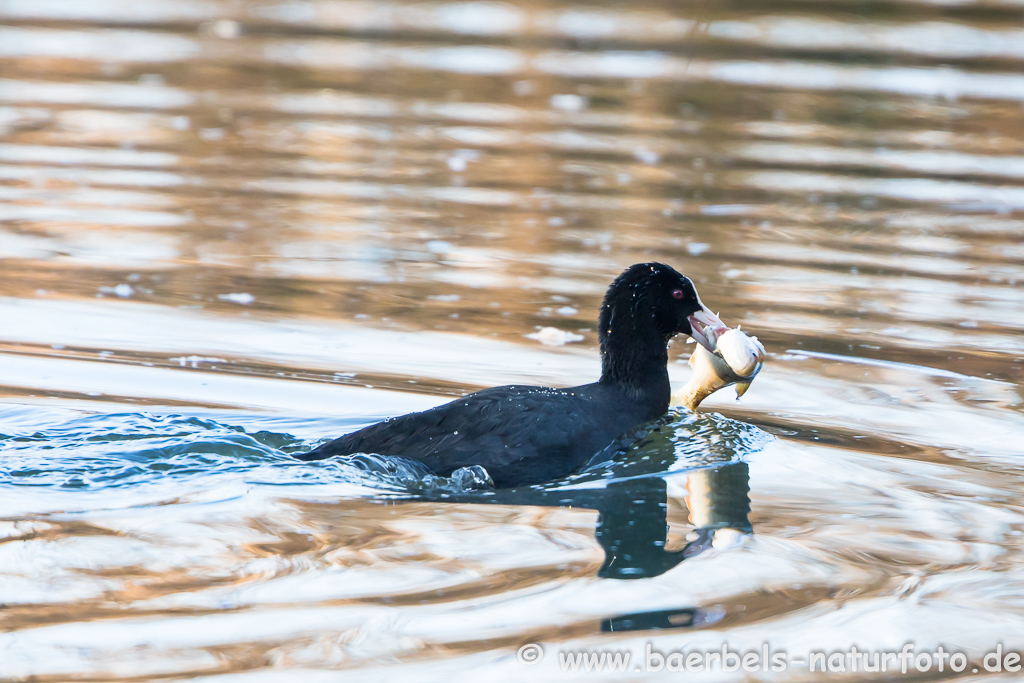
x=647 y=305
x=654 y=297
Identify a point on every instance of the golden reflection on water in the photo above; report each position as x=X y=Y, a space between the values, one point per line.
x=325 y=159
x=353 y=208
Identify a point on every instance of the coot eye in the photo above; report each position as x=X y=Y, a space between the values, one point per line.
x=677 y=294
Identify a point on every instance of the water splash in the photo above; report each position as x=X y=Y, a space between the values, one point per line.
x=680 y=440
x=118 y=450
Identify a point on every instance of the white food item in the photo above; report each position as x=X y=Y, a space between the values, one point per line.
x=737 y=359
x=743 y=354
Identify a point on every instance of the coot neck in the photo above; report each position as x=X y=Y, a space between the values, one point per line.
x=635 y=360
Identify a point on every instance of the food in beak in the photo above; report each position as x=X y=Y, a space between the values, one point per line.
x=743 y=354
x=734 y=358
x=706 y=327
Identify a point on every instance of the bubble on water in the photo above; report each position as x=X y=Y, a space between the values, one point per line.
x=243 y=298
x=211 y=134
x=568 y=102
x=439 y=247
x=647 y=156
x=224 y=28
x=123 y=290
x=473 y=478
x=552 y=336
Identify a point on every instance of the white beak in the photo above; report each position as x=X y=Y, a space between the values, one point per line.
x=706 y=327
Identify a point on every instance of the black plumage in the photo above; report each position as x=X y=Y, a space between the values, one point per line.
x=526 y=434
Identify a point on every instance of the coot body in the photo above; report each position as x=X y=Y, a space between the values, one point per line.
x=527 y=435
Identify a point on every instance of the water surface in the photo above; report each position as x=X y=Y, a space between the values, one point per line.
x=230 y=230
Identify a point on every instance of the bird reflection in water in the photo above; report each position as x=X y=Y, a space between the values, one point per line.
x=632 y=528
x=630 y=494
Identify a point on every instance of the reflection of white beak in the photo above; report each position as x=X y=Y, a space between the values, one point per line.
x=706 y=327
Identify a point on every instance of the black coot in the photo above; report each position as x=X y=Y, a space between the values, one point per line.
x=526 y=435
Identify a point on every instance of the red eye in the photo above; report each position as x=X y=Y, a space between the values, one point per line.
x=677 y=294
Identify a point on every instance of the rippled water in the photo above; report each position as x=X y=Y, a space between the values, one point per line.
x=230 y=230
